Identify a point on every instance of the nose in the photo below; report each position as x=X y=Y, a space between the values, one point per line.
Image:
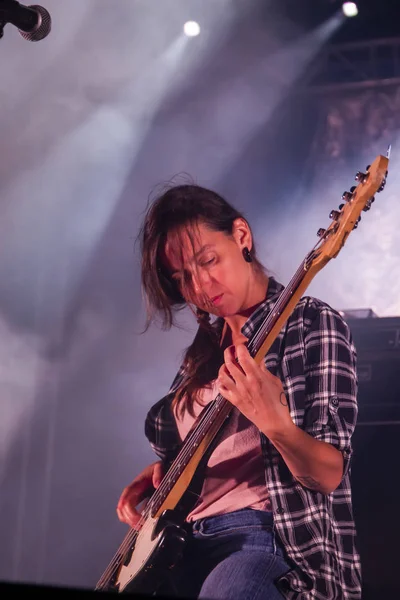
x=201 y=282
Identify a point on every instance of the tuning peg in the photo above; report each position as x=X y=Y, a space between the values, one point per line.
x=321 y=232
x=341 y=206
x=334 y=214
x=353 y=189
x=368 y=167
x=361 y=177
x=347 y=196
x=382 y=186
x=356 y=223
x=369 y=204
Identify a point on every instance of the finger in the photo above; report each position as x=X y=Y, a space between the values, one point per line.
x=227 y=387
x=126 y=494
x=235 y=357
x=134 y=523
x=129 y=516
x=230 y=354
x=124 y=517
x=133 y=494
x=232 y=367
x=136 y=487
x=226 y=379
x=224 y=373
x=224 y=389
x=123 y=497
x=246 y=361
x=123 y=506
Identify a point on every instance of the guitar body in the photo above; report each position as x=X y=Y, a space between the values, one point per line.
x=160 y=543
x=158 y=548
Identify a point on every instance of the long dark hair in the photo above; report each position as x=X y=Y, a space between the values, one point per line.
x=176 y=210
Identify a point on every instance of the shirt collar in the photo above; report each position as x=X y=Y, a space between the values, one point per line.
x=273 y=292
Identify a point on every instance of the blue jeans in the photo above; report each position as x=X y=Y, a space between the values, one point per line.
x=231 y=557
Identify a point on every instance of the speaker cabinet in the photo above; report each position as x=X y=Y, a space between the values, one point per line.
x=376 y=494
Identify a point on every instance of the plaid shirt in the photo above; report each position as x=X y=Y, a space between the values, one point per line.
x=315 y=358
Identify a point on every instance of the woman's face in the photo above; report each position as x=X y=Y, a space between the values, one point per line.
x=209 y=267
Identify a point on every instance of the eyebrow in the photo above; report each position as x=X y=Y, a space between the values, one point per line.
x=195 y=256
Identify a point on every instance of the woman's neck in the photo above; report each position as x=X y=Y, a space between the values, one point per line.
x=232 y=330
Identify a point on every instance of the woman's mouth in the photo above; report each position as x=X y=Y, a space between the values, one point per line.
x=217 y=300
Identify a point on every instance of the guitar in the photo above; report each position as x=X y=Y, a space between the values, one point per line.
x=147 y=553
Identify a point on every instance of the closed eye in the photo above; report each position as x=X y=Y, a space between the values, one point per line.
x=208 y=262
x=178 y=277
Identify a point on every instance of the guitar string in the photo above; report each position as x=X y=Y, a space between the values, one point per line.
x=174 y=470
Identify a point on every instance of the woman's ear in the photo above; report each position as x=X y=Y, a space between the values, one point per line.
x=242 y=234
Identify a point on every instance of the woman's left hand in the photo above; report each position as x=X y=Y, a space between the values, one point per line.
x=255 y=392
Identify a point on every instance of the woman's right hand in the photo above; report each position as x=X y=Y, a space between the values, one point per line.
x=134 y=493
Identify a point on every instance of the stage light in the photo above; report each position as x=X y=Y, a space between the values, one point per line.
x=350 y=9
x=191 y=28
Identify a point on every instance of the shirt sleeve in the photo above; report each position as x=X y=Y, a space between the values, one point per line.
x=160 y=427
x=155 y=430
x=331 y=382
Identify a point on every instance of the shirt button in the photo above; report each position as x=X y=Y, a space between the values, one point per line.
x=280 y=511
x=335 y=401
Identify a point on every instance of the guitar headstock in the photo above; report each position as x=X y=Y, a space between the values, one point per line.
x=344 y=220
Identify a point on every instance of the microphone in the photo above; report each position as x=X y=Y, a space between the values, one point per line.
x=33 y=22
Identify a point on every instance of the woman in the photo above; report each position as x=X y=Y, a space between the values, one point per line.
x=274 y=517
